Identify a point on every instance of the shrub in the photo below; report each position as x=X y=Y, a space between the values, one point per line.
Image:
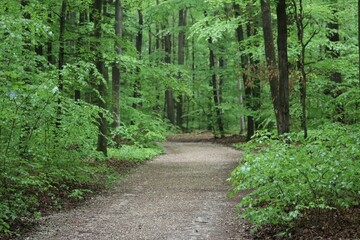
x=321 y=172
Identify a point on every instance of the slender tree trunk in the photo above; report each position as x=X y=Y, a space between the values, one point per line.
x=299 y=15
x=334 y=37
x=102 y=135
x=215 y=90
x=169 y=98
x=181 y=61
x=61 y=60
x=283 y=108
x=270 y=56
x=116 y=74
x=139 y=40
x=247 y=86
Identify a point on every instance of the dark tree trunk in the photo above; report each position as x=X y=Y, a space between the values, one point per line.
x=250 y=93
x=334 y=37
x=251 y=85
x=102 y=135
x=215 y=91
x=270 y=56
x=116 y=74
x=169 y=98
x=181 y=61
x=139 y=40
x=335 y=76
x=61 y=60
x=244 y=65
x=299 y=15
x=283 y=108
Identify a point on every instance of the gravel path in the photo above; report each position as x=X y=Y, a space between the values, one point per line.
x=180 y=195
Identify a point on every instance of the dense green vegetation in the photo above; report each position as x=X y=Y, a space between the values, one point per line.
x=293 y=180
x=84 y=83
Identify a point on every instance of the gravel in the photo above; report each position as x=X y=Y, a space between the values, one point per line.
x=182 y=194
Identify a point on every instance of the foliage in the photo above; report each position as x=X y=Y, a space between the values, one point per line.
x=320 y=172
x=134 y=153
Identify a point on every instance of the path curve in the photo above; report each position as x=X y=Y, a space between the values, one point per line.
x=179 y=195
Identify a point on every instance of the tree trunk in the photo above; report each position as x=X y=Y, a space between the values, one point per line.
x=245 y=59
x=270 y=56
x=181 y=61
x=116 y=74
x=169 y=98
x=61 y=60
x=283 y=107
x=334 y=37
x=102 y=135
x=139 y=40
x=215 y=91
x=299 y=15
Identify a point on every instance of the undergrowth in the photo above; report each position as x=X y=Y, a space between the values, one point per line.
x=34 y=188
x=290 y=177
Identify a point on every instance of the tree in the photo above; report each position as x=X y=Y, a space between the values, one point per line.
x=116 y=74
x=181 y=60
x=99 y=62
x=61 y=60
x=169 y=98
x=215 y=90
x=139 y=42
x=283 y=107
x=270 y=56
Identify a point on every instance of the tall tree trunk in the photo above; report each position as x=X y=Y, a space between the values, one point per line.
x=116 y=74
x=245 y=59
x=270 y=56
x=61 y=60
x=181 y=61
x=169 y=98
x=215 y=91
x=244 y=64
x=139 y=40
x=283 y=108
x=334 y=37
x=102 y=135
x=299 y=15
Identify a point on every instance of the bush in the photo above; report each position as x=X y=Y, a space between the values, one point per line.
x=321 y=172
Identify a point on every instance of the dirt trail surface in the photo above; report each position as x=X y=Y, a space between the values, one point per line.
x=182 y=194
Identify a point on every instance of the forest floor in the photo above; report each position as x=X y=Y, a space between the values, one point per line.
x=182 y=194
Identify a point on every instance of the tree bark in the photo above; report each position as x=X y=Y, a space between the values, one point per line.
x=270 y=56
x=283 y=107
x=139 y=40
x=61 y=59
x=102 y=135
x=299 y=15
x=215 y=91
x=244 y=64
x=116 y=74
x=169 y=98
x=181 y=61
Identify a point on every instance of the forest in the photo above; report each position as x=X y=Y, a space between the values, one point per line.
x=87 y=85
